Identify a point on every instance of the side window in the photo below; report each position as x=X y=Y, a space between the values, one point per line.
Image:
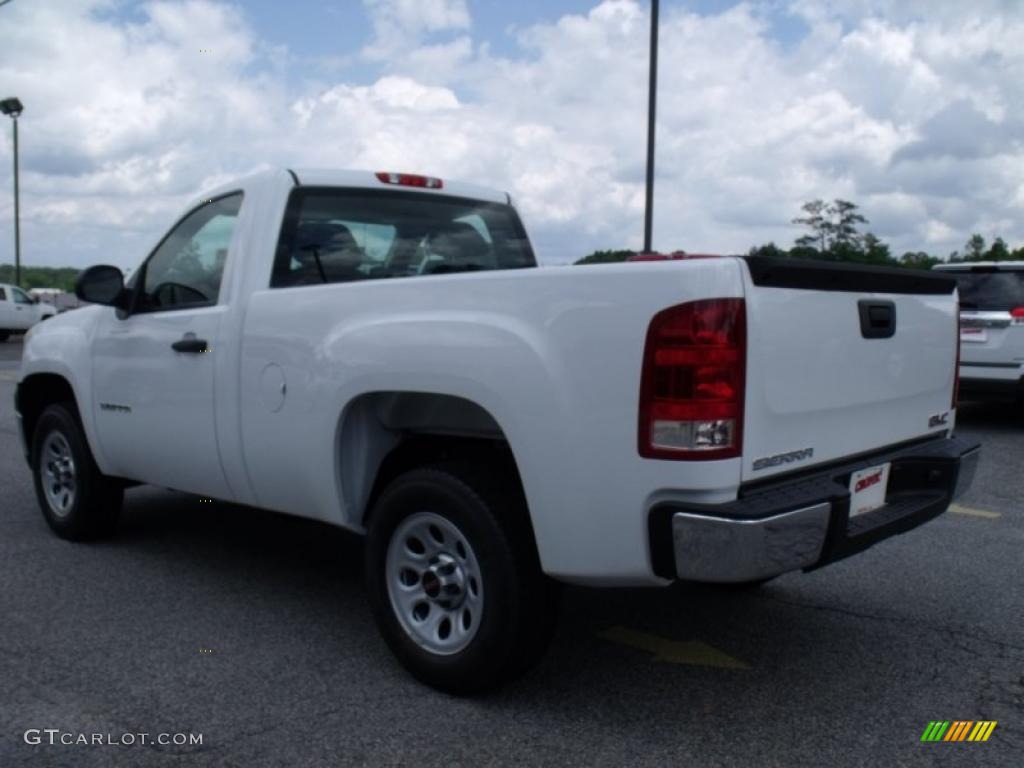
x=186 y=268
x=20 y=297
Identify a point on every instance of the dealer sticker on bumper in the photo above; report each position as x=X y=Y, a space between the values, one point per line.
x=867 y=489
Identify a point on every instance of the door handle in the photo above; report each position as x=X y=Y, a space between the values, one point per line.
x=190 y=344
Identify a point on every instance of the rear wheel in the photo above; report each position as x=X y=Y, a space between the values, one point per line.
x=77 y=500
x=454 y=580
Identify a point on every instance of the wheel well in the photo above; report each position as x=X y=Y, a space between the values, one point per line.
x=384 y=434
x=38 y=391
x=421 y=450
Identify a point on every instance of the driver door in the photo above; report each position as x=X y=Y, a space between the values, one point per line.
x=154 y=370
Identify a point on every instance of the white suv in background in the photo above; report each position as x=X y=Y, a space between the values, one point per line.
x=19 y=311
x=991 y=327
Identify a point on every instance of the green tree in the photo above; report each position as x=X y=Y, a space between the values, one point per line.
x=844 y=222
x=805 y=252
x=844 y=251
x=974 y=248
x=818 y=222
x=919 y=260
x=605 y=257
x=833 y=228
x=998 y=251
x=875 y=251
x=41 y=277
x=768 y=249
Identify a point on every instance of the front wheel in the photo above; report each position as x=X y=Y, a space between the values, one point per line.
x=78 y=502
x=454 y=580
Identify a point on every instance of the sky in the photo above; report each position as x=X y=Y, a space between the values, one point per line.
x=910 y=108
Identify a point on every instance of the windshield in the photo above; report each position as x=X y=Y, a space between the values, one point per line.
x=987 y=289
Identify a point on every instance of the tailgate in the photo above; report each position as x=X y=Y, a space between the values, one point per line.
x=843 y=360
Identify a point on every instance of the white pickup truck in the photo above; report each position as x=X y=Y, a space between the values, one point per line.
x=382 y=353
x=19 y=311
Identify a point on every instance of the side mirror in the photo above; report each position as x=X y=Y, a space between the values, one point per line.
x=102 y=284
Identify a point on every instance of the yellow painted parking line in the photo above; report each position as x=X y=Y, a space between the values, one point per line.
x=957 y=509
x=691 y=652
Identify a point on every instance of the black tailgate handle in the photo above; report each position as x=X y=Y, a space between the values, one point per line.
x=877 y=319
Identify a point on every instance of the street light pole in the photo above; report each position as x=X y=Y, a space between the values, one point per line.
x=12 y=107
x=651 y=108
x=17 y=217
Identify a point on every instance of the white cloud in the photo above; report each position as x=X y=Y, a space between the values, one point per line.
x=910 y=109
x=401 y=24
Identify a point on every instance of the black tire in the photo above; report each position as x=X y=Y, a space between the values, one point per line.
x=95 y=502
x=519 y=606
x=5 y=335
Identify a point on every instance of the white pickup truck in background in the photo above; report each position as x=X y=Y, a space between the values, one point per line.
x=19 y=311
x=382 y=353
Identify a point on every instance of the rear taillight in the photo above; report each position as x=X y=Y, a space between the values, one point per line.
x=691 y=387
x=410 y=180
x=956 y=371
x=1017 y=313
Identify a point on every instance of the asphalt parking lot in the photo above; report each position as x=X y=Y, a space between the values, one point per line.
x=252 y=629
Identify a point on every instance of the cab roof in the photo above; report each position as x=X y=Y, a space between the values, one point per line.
x=327 y=177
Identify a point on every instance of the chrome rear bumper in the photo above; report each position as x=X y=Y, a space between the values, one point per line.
x=804 y=523
x=715 y=549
